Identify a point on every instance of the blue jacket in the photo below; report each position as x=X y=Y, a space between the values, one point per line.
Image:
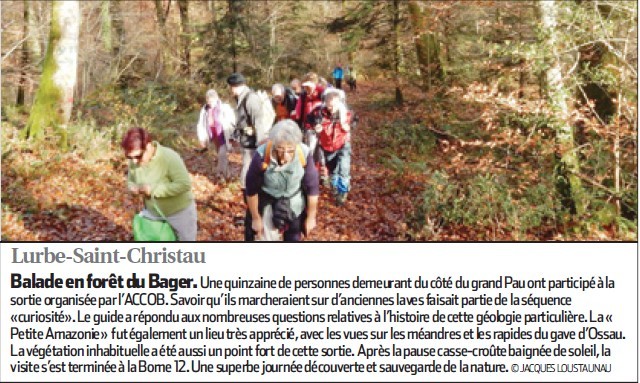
x=337 y=73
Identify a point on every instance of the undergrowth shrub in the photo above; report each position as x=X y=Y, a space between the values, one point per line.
x=485 y=201
x=15 y=115
x=380 y=103
x=166 y=110
x=25 y=159
x=406 y=147
x=603 y=215
x=95 y=144
x=527 y=123
x=404 y=140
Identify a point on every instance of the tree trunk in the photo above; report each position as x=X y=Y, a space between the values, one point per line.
x=397 y=51
x=185 y=38
x=106 y=25
x=161 y=16
x=54 y=99
x=212 y=9
x=233 y=14
x=272 y=41
x=118 y=37
x=568 y=183
x=24 y=58
x=112 y=33
x=523 y=71
x=35 y=44
x=117 y=22
x=623 y=77
x=427 y=47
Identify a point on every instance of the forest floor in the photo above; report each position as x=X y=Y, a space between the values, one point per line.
x=69 y=199
x=48 y=195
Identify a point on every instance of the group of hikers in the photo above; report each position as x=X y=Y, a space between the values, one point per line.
x=292 y=142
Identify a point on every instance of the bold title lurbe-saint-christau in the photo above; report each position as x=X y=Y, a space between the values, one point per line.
x=134 y=255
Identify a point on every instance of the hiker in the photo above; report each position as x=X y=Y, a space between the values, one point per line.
x=215 y=125
x=334 y=134
x=341 y=93
x=296 y=85
x=314 y=119
x=324 y=83
x=338 y=75
x=252 y=125
x=352 y=77
x=159 y=175
x=250 y=130
x=310 y=99
x=284 y=101
x=282 y=185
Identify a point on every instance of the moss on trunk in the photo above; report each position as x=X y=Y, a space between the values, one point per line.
x=46 y=111
x=427 y=47
x=567 y=169
x=54 y=99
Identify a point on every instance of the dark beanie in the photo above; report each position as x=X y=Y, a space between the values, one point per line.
x=236 y=79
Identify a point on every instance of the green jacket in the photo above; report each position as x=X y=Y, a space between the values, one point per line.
x=168 y=177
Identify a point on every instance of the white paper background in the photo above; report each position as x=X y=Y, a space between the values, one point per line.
x=618 y=261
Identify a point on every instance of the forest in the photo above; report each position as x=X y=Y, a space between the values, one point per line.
x=479 y=120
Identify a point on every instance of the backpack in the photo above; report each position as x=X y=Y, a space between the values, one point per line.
x=267 y=114
x=291 y=99
x=263 y=122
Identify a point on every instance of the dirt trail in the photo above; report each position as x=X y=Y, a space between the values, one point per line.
x=374 y=210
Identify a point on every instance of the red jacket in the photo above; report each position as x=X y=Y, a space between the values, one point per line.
x=333 y=136
x=306 y=104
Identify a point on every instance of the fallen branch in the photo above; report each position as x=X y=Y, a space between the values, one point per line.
x=598 y=185
x=441 y=134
